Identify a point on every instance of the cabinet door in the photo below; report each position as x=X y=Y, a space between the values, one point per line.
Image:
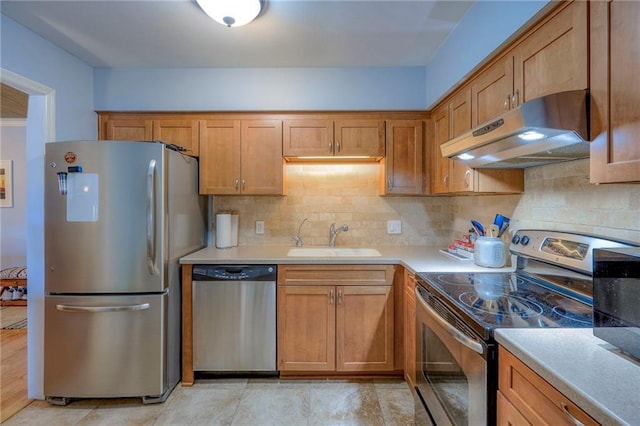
x=129 y=130
x=553 y=58
x=507 y=414
x=306 y=328
x=364 y=328
x=531 y=395
x=307 y=138
x=183 y=133
x=261 y=157
x=439 y=164
x=491 y=91
x=615 y=90
x=359 y=137
x=219 y=156
x=403 y=162
x=460 y=174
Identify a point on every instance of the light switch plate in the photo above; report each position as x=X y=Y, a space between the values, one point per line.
x=394 y=227
x=260 y=227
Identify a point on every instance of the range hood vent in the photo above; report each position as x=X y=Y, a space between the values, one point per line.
x=545 y=130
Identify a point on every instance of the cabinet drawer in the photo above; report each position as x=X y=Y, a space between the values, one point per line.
x=537 y=400
x=344 y=275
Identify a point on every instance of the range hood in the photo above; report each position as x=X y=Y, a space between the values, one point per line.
x=545 y=130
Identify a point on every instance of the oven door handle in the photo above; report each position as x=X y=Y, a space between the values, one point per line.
x=454 y=332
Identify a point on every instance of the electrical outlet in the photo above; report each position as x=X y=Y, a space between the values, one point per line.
x=260 y=227
x=394 y=227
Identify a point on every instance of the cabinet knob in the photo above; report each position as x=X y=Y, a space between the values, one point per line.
x=331 y=297
x=389 y=184
x=337 y=146
x=243 y=184
x=515 y=99
x=339 y=297
x=467 y=174
x=237 y=185
x=506 y=103
x=330 y=146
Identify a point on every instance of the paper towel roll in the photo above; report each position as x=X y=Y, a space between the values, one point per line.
x=234 y=229
x=223 y=230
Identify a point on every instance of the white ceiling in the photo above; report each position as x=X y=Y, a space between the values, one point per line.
x=289 y=33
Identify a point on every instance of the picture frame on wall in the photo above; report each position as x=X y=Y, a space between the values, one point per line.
x=6 y=183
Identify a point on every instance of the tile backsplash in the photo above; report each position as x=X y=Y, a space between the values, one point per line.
x=557 y=196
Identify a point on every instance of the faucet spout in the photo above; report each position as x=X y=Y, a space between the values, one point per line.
x=333 y=233
x=298 y=238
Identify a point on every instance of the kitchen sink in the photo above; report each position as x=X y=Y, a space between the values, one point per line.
x=332 y=252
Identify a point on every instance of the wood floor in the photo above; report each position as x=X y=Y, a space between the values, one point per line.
x=13 y=372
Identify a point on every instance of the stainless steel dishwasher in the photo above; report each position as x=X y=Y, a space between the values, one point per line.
x=234 y=318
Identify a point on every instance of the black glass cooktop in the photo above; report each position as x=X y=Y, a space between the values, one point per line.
x=489 y=300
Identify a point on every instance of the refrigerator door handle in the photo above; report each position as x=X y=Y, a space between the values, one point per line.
x=151 y=217
x=74 y=308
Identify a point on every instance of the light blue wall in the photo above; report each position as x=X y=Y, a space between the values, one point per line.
x=483 y=29
x=260 y=89
x=29 y=55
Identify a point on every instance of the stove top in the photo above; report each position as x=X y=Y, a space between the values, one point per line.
x=488 y=300
x=551 y=287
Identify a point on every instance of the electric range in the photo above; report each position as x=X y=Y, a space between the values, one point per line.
x=456 y=314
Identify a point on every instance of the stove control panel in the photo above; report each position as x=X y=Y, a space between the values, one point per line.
x=569 y=250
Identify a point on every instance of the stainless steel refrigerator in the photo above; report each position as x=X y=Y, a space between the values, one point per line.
x=118 y=216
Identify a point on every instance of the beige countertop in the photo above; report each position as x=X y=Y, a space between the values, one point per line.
x=595 y=375
x=415 y=258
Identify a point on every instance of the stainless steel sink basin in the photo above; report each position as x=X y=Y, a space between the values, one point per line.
x=332 y=252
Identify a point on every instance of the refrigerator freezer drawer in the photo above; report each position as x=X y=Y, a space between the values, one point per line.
x=105 y=346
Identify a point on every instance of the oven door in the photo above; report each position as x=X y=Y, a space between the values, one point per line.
x=452 y=368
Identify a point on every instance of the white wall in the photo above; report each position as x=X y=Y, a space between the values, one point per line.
x=13 y=220
x=29 y=55
x=482 y=30
x=257 y=89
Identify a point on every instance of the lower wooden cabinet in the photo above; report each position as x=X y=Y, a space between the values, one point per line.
x=335 y=318
x=410 y=328
x=526 y=398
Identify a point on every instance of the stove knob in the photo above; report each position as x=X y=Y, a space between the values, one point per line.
x=515 y=239
x=524 y=240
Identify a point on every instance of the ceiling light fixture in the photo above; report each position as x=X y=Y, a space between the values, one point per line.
x=232 y=13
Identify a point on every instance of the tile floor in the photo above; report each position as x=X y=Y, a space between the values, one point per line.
x=243 y=402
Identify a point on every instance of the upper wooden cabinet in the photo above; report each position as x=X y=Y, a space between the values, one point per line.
x=552 y=58
x=329 y=137
x=440 y=166
x=455 y=177
x=183 y=133
x=403 y=164
x=241 y=157
x=492 y=90
x=615 y=92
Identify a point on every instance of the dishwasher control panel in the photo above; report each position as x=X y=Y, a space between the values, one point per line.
x=234 y=272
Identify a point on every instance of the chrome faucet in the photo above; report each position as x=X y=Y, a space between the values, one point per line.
x=298 y=238
x=333 y=232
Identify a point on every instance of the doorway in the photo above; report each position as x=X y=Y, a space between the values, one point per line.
x=40 y=128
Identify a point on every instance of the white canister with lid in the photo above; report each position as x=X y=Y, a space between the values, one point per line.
x=489 y=252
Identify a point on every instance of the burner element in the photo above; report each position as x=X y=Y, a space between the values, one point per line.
x=510 y=305
x=577 y=313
